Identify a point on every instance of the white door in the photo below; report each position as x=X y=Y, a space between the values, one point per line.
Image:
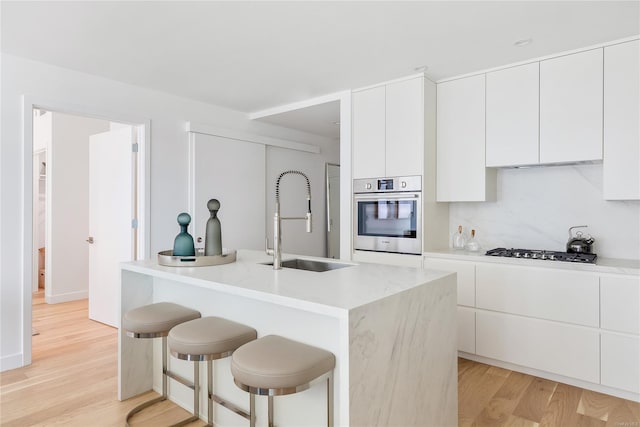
x=333 y=211
x=110 y=219
x=233 y=172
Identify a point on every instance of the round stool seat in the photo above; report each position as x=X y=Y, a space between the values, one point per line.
x=208 y=338
x=157 y=319
x=274 y=362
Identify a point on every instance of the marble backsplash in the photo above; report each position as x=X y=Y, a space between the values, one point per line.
x=536 y=206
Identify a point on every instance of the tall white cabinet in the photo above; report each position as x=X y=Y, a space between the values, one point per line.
x=394 y=134
x=388 y=129
x=461 y=174
x=621 y=164
x=571 y=108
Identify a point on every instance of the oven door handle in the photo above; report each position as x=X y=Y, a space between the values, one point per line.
x=386 y=196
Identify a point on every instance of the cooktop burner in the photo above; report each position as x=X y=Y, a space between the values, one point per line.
x=545 y=255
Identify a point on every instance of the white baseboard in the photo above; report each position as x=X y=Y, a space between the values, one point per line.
x=12 y=361
x=71 y=296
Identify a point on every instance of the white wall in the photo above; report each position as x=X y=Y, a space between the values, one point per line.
x=293 y=197
x=168 y=115
x=535 y=208
x=68 y=181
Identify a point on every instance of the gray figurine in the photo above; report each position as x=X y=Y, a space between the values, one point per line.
x=213 y=235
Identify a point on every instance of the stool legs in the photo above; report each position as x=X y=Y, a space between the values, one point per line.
x=251 y=415
x=270 y=410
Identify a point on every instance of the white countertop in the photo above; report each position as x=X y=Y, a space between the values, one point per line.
x=602 y=265
x=332 y=292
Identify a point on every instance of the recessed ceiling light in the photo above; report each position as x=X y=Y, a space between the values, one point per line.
x=523 y=42
x=421 y=69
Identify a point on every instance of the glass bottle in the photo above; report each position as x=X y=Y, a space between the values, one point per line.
x=472 y=244
x=459 y=240
x=183 y=244
x=213 y=234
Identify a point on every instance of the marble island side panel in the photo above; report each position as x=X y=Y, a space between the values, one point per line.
x=403 y=358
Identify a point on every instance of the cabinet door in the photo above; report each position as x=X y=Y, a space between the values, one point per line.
x=512 y=116
x=461 y=174
x=566 y=296
x=621 y=164
x=369 y=133
x=571 y=108
x=620 y=303
x=621 y=362
x=466 y=276
x=554 y=347
x=467 y=330
x=405 y=128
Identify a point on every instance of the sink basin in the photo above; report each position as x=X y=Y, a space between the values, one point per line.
x=311 y=265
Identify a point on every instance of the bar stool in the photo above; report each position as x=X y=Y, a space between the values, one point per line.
x=208 y=339
x=155 y=321
x=276 y=366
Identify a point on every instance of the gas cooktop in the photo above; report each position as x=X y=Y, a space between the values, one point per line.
x=545 y=255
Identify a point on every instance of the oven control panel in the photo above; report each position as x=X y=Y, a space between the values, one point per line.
x=388 y=184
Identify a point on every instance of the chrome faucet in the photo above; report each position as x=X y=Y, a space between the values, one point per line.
x=277 y=219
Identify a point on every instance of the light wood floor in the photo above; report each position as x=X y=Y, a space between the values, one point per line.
x=72 y=382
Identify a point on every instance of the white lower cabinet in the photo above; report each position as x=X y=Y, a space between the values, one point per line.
x=620 y=303
x=581 y=325
x=620 y=362
x=467 y=330
x=554 y=347
x=565 y=296
x=466 y=276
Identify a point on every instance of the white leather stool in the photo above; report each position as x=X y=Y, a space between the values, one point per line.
x=155 y=321
x=276 y=366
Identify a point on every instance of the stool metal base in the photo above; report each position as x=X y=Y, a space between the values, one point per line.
x=167 y=374
x=271 y=392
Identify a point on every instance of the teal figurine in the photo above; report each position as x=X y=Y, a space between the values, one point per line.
x=213 y=234
x=183 y=244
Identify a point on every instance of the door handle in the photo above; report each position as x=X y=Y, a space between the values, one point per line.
x=90 y=240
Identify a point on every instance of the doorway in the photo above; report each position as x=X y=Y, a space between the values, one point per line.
x=86 y=157
x=333 y=210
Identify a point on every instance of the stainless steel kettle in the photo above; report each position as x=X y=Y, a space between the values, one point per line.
x=579 y=243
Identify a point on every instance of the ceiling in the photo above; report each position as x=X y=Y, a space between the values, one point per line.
x=251 y=56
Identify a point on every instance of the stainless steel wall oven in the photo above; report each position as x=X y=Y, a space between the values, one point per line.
x=387 y=214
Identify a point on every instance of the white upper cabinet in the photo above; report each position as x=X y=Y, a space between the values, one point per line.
x=405 y=127
x=571 y=107
x=368 y=129
x=388 y=130
x=621 y=164
x=461 y=173
x=512 y=116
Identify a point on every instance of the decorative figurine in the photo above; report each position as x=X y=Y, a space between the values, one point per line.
x=183 y=244
x=213 y=235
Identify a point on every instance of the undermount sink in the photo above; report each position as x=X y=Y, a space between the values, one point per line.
x=311 y=265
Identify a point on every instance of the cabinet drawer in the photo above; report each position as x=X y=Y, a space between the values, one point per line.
x=621 y=362
x=620 y=303
x=467 y=330
x=466 y=273
x=553 y=347
x=566 y=296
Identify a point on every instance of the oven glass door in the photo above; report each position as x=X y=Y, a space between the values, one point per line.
x=387 y=217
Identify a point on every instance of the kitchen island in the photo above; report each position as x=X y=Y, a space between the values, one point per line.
x=392 y=330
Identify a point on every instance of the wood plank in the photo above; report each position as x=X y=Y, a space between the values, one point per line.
x=533 y=405
x=562 y=407
x=503 y=403
x=596 y=405
x=476 y=392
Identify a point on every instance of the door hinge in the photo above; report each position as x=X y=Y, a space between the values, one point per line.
x=134 y=147
x=134 y=223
